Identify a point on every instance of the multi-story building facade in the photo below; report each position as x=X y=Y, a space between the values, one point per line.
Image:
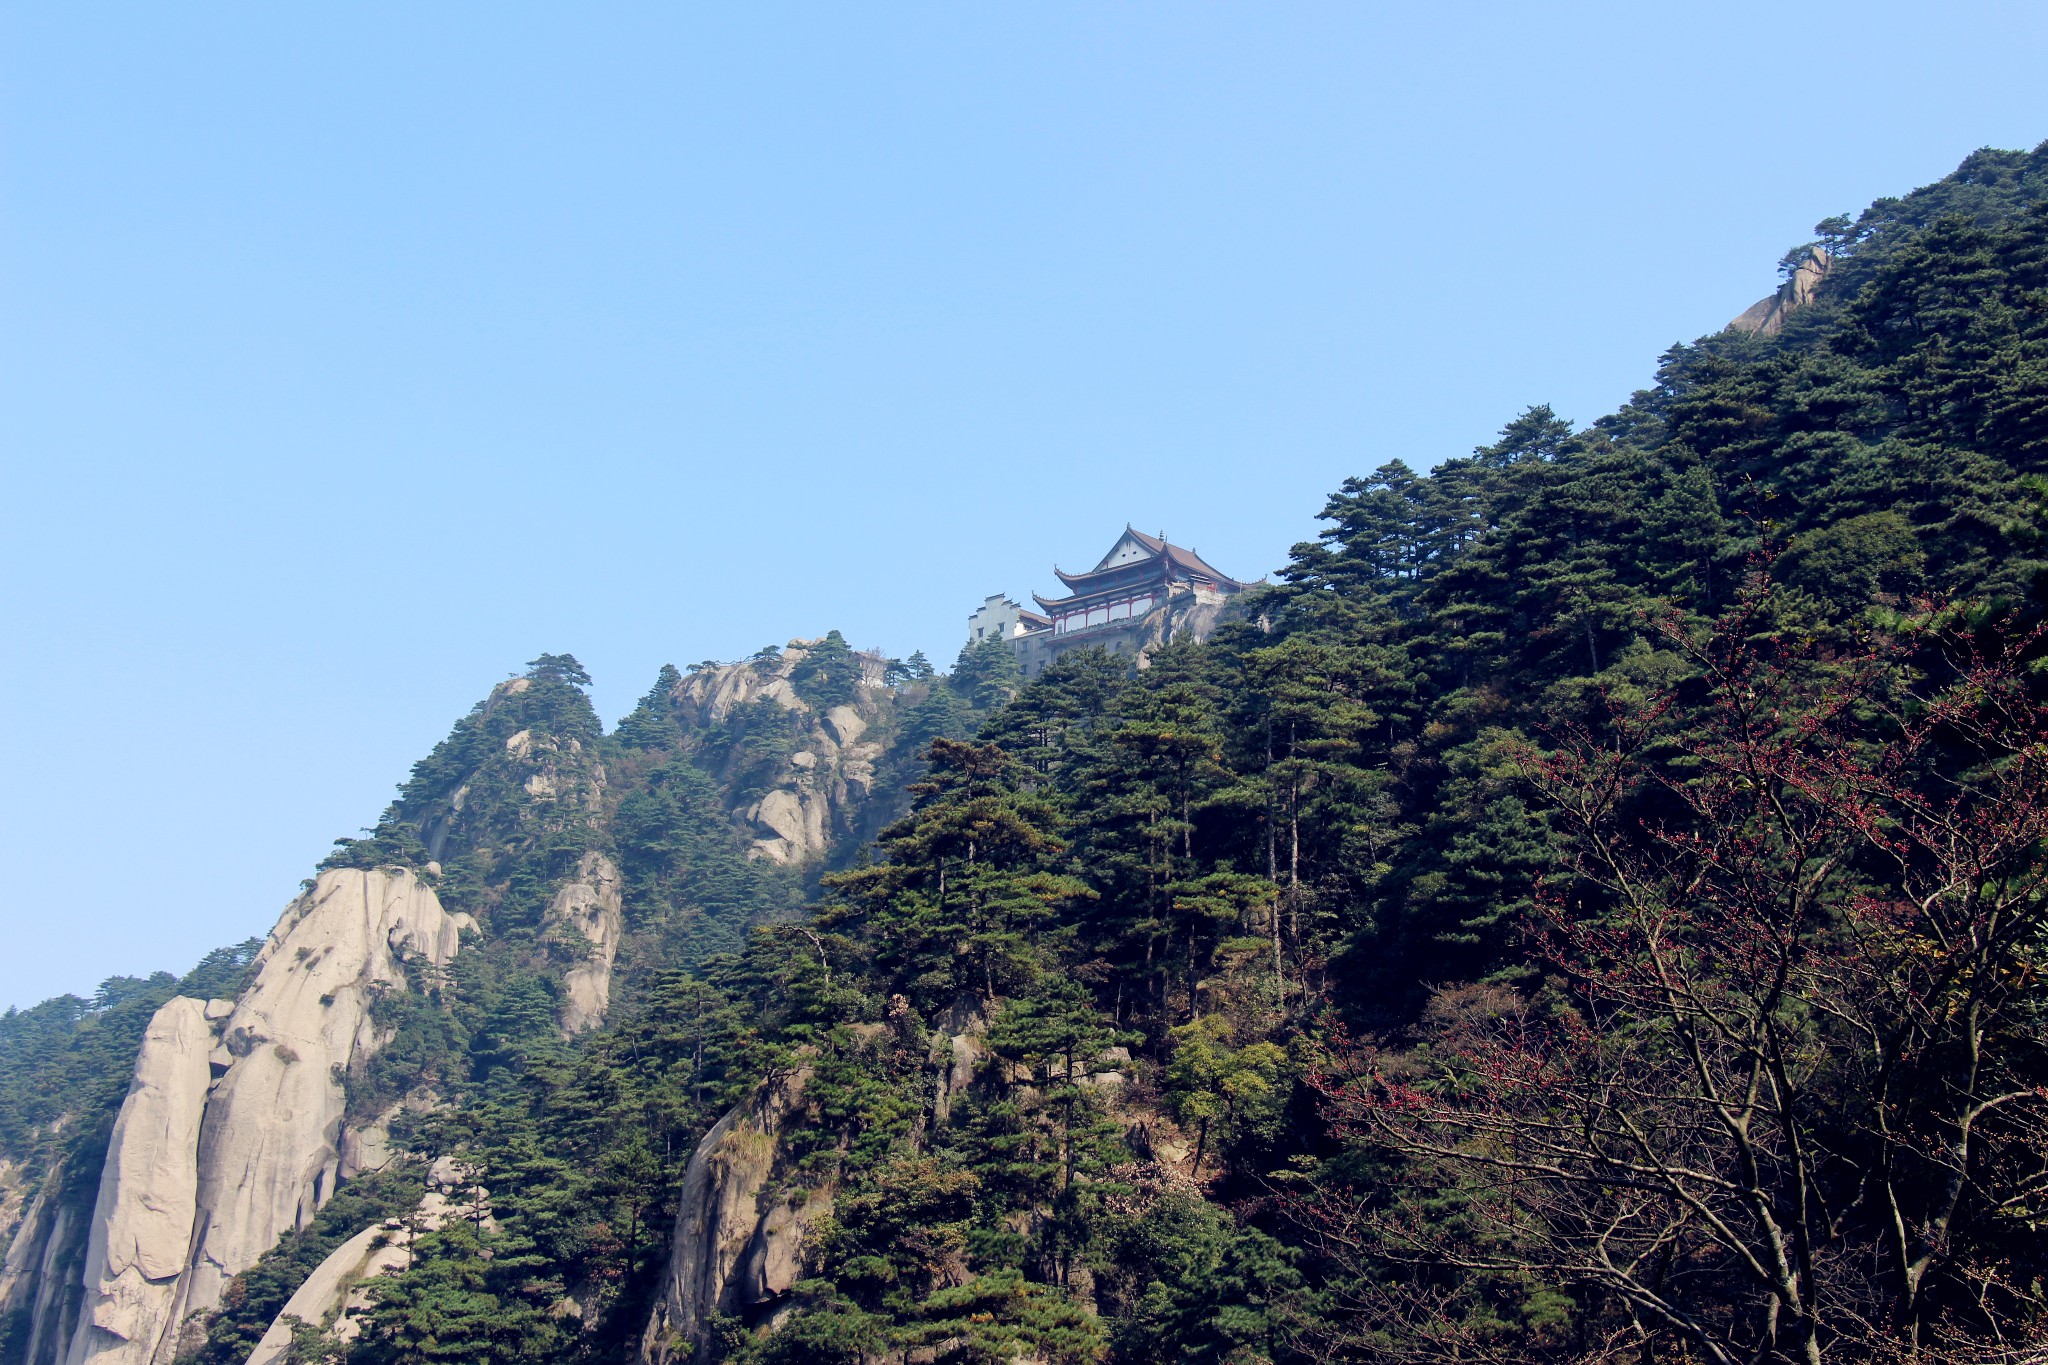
x=1144 y=592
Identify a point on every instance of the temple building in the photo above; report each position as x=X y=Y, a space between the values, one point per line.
x=999 y=618
x=1144 y=592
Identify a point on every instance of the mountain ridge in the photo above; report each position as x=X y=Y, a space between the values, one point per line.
x=1033 y=990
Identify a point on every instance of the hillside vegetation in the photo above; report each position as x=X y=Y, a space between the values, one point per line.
x=1590 y=908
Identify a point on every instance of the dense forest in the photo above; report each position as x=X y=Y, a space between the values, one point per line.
x=1591 y=907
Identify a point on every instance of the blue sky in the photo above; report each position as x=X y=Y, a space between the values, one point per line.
x=352 y=355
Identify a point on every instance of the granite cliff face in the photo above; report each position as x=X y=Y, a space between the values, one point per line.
x=149 y=1188
x=514 y=767
x=232 y=1132
x=38 y=1276
x=750 y=1211
x=589 y=914
x=745 y=1225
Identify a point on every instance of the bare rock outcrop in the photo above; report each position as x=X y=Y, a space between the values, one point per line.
x=149 y=1188
x=551 y=780
x=710 y=695
x=959 y=1044
x=366 y=1141
x=793 y=819
x=740 y=1235
x=846 y=724
x=590 y=910
x=747 y=1218
x=195 y=1192
x=1767 y=315
x=24 y=1207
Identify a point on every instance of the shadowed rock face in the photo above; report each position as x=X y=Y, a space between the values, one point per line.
x=231 y=1134
x=734 y=1251
x=746 y=1225
x=41 y=1269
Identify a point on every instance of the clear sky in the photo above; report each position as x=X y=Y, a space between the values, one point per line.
x=352 y=355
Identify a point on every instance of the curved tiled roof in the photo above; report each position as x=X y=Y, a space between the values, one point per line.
x=1186 y=561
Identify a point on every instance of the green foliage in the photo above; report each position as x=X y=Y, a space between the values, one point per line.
x=1216 y=1088
x=253 y=1299
x=558 y=668
x=986 y=675
x=1161 y=897
x=966 y=896
x=582 y=1152
x=916 y=668
x=469 y=1296
x=512 y=780
x=1180 y=1280
x=653 y=723
x=749 y=754
x=67 y=1062
x=1048 y=722
x=691 y=886
x=829 y=673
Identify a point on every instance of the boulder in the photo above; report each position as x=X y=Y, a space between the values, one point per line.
x=845 y=724
x=367 y=1146
x=781 y=812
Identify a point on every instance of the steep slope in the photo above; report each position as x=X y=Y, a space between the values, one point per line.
x=232 y=1131
x=1372 y=746
x=65 y=1069
x=801 y=1029
x=803 y=777
x=1806 y=272
x=358 y=1021
x=589 y=909
x=149 y=1189
x=735 y=1253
